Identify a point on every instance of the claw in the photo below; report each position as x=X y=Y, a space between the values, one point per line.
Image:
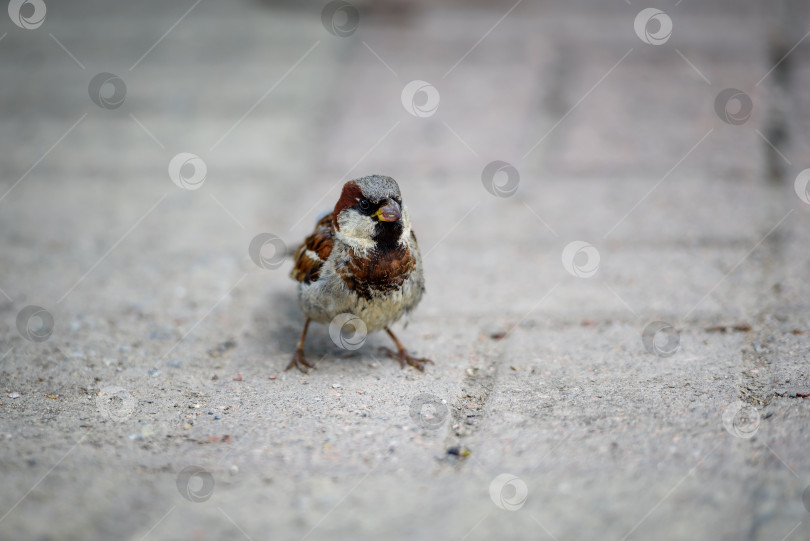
x=407 y=360
x=300 y=362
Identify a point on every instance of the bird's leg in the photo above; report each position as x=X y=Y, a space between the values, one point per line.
x=402 y=355
x=298 y=360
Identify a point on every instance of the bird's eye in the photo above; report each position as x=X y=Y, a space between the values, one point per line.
x=364 y=204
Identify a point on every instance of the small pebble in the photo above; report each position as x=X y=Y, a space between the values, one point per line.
x=14 y=395
x=336 y=385
x=273 y=376
x=234 y=469
x=154 y=372
x=217 y=417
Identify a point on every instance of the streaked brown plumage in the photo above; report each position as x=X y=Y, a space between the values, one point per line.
x=362 y=259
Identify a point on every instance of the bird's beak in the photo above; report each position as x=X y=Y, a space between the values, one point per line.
x=390 y=212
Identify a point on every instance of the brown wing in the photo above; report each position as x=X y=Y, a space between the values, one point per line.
x=310 y=256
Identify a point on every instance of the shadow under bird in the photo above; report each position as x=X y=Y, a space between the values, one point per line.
x=362 y=259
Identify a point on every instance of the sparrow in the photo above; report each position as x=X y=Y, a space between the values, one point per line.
x=362 y=259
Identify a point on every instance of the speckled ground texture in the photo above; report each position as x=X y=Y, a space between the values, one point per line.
x=158 y=407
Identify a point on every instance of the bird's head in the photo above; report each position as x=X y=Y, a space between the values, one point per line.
x=370 y=213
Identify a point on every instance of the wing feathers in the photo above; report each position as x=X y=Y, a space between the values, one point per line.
x=310 y=256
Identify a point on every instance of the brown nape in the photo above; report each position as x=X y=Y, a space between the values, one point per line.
x=348 y=198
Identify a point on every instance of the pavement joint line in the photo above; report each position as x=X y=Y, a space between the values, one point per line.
x=551 y=535
x=66 y=50
x=203 y=318
x=542 y=221
x=263 y=96
x=149 y=133
x=13 y=507
x=43 y=156
x=384 y=63
x=571 y=110
x=782 y=59
x=792 y=530
x=738 y=263
x=651 y=190
x=227 y=211
x=691 y=65
x=369 y=472
x=164 y=35
x=234 y=523
x=451 y=229
x=673 y=489
x=477 y=43
x=113 y=247
x=346 y=174
x=785 y=464
x=158 y=522
x=471 y=530
x=619 y=297
x=463 y=142
x=772 y=146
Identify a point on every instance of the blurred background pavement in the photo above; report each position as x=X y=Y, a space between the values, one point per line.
x=613 y=207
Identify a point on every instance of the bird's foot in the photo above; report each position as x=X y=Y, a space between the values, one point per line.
x=405 y=359
x=300 y=362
